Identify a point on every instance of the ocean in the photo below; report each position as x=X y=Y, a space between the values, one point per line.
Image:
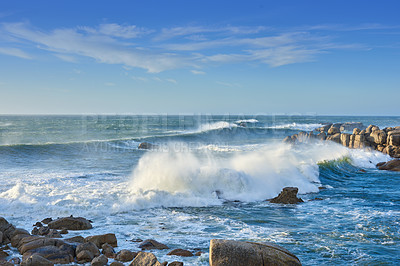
x=208 y=177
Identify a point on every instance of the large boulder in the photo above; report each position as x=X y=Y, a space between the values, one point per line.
x=145 y=259
x=345 y=139
x=378 y=137
x=36 y=260
x=393 y=165
x=287 y=196
x=70 y=223
x=181 y=253
x=99 y=261
x=125 y=255
x=334 y=137
x=393 y=138
x=238 y=253
x=99 y=240
x=333 y=130
x=324 y=128
x=7 y=230
x=88 y=246
x=152 y=244
x=58 y=255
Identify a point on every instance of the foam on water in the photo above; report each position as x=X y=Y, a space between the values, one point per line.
x=297 y=126
x=247 y=121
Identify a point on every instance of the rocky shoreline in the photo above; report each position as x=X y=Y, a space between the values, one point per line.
x=385 y=140
x=45 y=246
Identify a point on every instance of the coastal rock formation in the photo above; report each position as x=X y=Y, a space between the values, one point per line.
x=145 y=258
x=287 y=196
x=125 y=255
x=393 y=165
x=152 y=244
x=385 y=140
x=147 y=146
x=238 y=253
x=99 y=240
x=70 y=223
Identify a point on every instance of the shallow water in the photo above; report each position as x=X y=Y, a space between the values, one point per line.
x=90 y=166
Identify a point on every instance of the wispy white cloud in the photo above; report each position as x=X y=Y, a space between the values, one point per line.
x=198 y=72
x=172 y=81
x=116 y=30
x=14 y=52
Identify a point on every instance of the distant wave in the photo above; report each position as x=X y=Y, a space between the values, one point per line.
x=297 y=126
x=247 y=121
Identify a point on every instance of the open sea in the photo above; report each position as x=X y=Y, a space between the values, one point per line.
x=209 y=177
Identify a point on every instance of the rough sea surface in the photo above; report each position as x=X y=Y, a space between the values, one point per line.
x=208 y=178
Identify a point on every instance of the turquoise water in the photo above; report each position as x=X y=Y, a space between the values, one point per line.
x=91 y=166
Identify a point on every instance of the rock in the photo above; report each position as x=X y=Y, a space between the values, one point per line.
x=198 y=253
x=99 y=261
x=15 y=261
x=36 y=260
x=40 y=242
x=116 y=263
x=6 y=263
x=147 y=146
x=176 y=263
x=369 y=129
x=288 y=140
x=125 y=255
x=88 y=246
x=345 y=139
x=19 y=240
x=379 y=137
x=63 y=231
x=324 y=128
x=70 y=223
x=1 y=237
x=75 y=239
x=350 y=126
x=356 y=131
x=237 y=253
x=38 y=224
x=47 y=220
x=393 y=138
x=145 y=259
x=99 y=240
x=393 y=151
x=334 y=137
x=152 y=244
x=108 y=250
x=287 y=196
x=321 y=136
x=333 y=130
x=393 y=165
x=58 y=255
x=7 y=229
x=84 y=256
x=181 y=253
x=3 y=254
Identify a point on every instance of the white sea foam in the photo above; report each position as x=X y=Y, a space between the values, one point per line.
x=215 y=126
x=247 y=121
x=297 y=126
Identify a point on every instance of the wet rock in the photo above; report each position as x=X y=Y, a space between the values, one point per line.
x=350 y=126
x=181 y=253
x=321 y=136
x=70 y=223
x=75 y=239
x=38 y=224
x=40 y=242
x=58 y=255
x=6 y=263
x=152 y=244
x=198 y=253
x=345 y=139
x=324 y=128
x=99 y=240
x=237 y=253
x=7 y=230
x=334 y=137
x=108 y=250
x=378 y=137
x=287 y=196
x=176 y=263
x=36 y=260
x=356 y=131
x=3 y=254
x=125 y=255
x=84 y=256
x=145 y=258
x=47 y=220
x=63 y=231
x=393 y=165
x=15 y=261
x=333 y=130
x=88 y=246
x=147 y=146
x=99 y=261
x=116 y=263
x=393 y=138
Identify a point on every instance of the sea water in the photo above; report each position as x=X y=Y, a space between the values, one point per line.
x=208 y=177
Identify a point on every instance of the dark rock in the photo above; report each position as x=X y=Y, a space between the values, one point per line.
x=287 y=196
x=36 y=260
x=63 y=231
x=237 y=253
x=198 y=253
x=75 y=239
x=145 y=258
x=108 y=250
x=84 y=256
x=88 y=246
x=147 y=146
x=70 y=223
x=99 y=261
x=393 y=165
x=152 y=244
x=3 y=254
x=58 y=255
x=321 y=136
x=7 y=230
x=137 y=240
x=334 y=137
x=176 y=263
x=15 y=261
x=181 y=253
x=38 y=224
x=99 y=240
x=40 y=242
x=47 y=220
x=125 y=255
x=116 y=263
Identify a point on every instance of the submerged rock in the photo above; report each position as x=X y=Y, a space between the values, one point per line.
x=238 y=253
x=287 y=196
x=147 y=146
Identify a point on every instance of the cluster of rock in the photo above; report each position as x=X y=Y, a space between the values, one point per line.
x=287 y=196
x=43 y=246
x=385 y=140
x=43 y=249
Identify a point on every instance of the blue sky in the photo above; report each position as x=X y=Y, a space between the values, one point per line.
x=219 y=57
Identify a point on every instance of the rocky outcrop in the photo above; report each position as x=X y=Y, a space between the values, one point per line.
x=145 y=258
x=70 y=223
x=99 y=240
x=152 y=244
x=181 y=253
x=393 y=165
x=238 y=253
x=125 y=255
x=287 y=196
x=147 y=146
